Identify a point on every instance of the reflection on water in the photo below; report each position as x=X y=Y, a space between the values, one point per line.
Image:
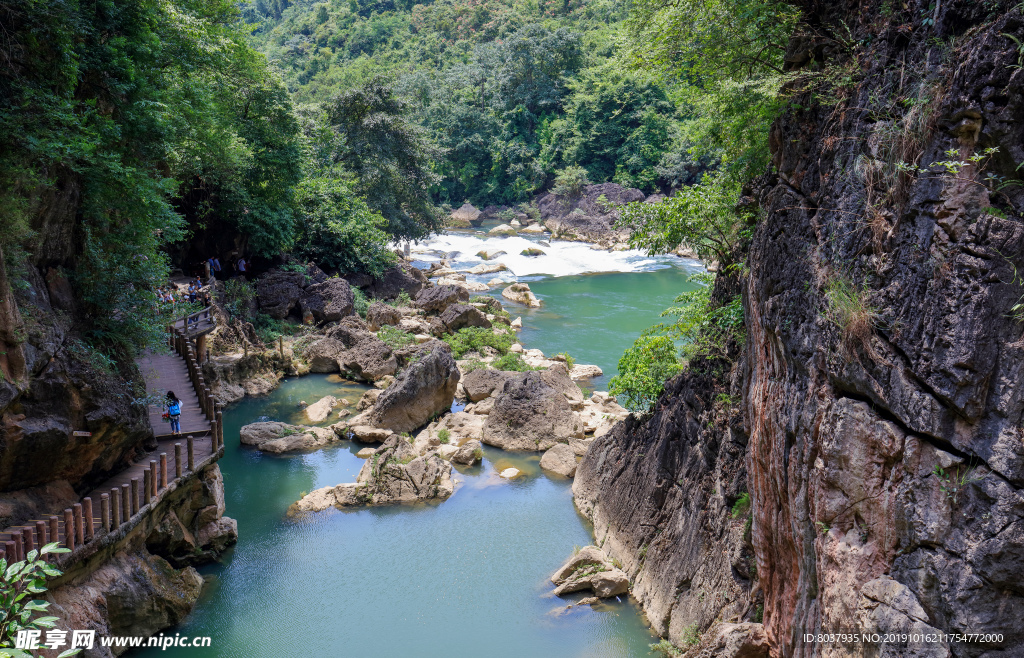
x=465 y=577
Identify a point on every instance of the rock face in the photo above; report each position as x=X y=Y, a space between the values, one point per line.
x=401 y=278
x=882 y=459
x=529 y=414
x=588 y=217
x=424 y=389
x=438 y=298
x=559 y=459
x=329 y=301
x=521 y=294
x=278 y=292
x=393 y=474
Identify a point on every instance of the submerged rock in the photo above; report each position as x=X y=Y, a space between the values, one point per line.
x=510 y=473
x=394 y=474
x=321 y=409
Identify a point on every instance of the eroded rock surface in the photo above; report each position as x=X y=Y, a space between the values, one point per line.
x=529 y=414
x=424 y=389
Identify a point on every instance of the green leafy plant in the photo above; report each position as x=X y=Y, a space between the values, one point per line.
x=473 y=338
x=443 y=435
x=512 y=362
x=952 y=482
x=569 y=361
x=361 y=302
x=666 y=649
x=19 y=582
x=742 y=506
x=402 y=300
x=643 y=371
x=238 y=297
x=394 y=337
x=690 y=636
x=475 y=364
x=848 y=308
x=570 y=182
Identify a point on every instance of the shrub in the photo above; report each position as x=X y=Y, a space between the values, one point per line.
x=569 y=361
x=666 y=649
x=570 y=181
x=643 y=371
x=473 y=338
x=238 y=297
x=513 y=362
x=443 y=435
x=394 y=337
x=361 y=303
x=475 y=364
x=691 y=636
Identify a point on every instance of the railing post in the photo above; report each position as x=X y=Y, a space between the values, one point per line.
x=163 y=470
x=220 y=424
x=54 y=529
x=177 y=461
x=191 y=455
x=76 y=511
x=213 y=435
x=69 y=529
x=153 y=478
x=210 y=412
x=11 y=551
x=41 y=534
x=27 y=540
x=135 y=496
x=87 y=518
x=126 y=502
x=115 y=508
x=105 y=512
x=147 y=485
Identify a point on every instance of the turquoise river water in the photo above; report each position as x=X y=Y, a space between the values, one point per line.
x=464 y=577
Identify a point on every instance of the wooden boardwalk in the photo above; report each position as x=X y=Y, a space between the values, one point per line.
x=120 y=498
x=168 y=372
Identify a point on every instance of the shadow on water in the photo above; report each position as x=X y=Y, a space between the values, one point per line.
x=465 y=577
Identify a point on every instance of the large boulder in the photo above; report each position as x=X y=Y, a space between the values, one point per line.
x=278 y=292
x=559 y=459
x=468 y=453
x=394 y=474
x=481 y=383
x=319 y=410
x=502 y=230
x=370 y=360
x=529 y=414
x=329 y=301
x=460 y=316
x=423 y=390
x=438 y=298
x=323 y=356
x=401 y=278
x=380 y=314
x=521 y=293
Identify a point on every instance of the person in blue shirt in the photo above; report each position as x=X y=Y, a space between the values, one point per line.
x=174 y=412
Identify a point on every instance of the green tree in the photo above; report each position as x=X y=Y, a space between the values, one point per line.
x=643 y=371
x=19 y=582
x=389 y=157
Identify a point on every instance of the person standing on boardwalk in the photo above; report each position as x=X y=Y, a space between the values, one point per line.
x=174 y=412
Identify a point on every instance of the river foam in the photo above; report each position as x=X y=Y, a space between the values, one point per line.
x=561 y=258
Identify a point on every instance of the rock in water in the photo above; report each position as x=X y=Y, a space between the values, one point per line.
x=329 y=301
x=532 y=251
x=371 y=360
x=487 y=268
x=521 y=293
x=590 y=569
x=394 y=474
x=465 y=216
x=468 y=453
x=529 y=414
x=275 y=437
x=490 y=254
x=503 y=230
x=509 y=473
x=366 y=453
x=424 y=389
x=319 y=410
x=438 y=298
x=559 y=459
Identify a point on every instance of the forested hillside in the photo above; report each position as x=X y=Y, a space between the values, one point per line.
x=511 y=92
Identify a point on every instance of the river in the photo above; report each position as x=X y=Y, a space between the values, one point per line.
x=464 y=577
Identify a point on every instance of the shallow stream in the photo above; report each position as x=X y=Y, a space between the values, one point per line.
x=465 y=577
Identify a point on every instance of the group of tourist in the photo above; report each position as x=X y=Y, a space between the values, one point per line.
x=240 y=266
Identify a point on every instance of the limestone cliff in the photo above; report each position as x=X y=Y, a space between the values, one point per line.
x=881 y=388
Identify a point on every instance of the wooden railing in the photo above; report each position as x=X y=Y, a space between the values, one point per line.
x=191 y=322
x=209 y=404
